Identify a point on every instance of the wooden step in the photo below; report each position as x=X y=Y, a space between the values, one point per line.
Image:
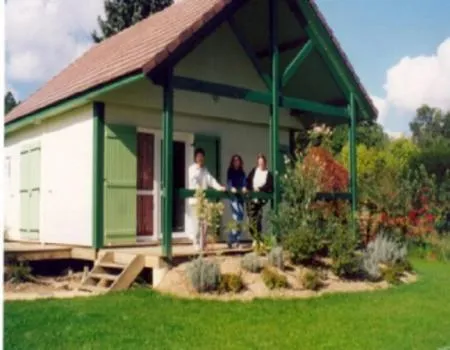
x=127 y=267
x=111 y=265
x=103 y=276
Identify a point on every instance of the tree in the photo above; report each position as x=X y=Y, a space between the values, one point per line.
x=121 y=14
x=10 y=102
x=430 y=125
x=369 y=134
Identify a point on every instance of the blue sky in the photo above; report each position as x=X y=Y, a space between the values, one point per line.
x=42 y=37
x=377 y=34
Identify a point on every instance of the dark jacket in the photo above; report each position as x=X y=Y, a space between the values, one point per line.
x=236 y=178
x=268 y=186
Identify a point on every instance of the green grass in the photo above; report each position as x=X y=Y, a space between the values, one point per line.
x=407 y=317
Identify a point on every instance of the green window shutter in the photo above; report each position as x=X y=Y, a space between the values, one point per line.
x=211 y=145
x=30 y=196
x=120 y=223
x=24 y=192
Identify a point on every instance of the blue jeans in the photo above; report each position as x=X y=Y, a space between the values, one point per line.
x=237 y=213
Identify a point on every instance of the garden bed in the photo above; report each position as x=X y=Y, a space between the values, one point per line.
x=176 y=283
x=44 y=287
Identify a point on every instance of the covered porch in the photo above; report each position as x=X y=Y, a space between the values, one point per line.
x=302 y=77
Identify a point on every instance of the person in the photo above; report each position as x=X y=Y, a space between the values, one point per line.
x=236 y=181
x=259 y=179
x=199 y=177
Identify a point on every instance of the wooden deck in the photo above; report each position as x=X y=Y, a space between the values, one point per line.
x=153 y=253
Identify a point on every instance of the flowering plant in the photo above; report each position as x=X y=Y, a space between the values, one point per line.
x=209 y=215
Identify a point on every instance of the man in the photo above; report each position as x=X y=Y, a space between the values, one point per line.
x=199 y=177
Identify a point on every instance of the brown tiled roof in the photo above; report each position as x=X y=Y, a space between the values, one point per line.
x=150 y=40
x=147 y=44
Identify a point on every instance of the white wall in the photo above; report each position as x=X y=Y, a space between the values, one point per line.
x=242 y=126
x=245 y=139
x=66 y=175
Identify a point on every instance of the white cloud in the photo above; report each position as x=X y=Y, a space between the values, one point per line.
x=414 y=81
x=382 y=107
x=44 y=36
x=419 y=80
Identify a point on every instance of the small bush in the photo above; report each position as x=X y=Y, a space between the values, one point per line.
x=404 y=265
x=204 y=275
x=252 y=262
x=18 y=272
x=276 y=257
x=346 y=262
x=387 y=251
x=392 y=274
x=384 y=250
x=311 y=279
x=230 y=282
x=301 y=244
x=272 y=279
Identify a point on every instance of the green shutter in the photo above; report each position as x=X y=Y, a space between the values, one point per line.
x=120 y=185
x=30 y=179
x=211 y=145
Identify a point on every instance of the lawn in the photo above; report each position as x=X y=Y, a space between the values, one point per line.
x=407 y=317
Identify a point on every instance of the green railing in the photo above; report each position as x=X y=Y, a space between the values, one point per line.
x=216 y=195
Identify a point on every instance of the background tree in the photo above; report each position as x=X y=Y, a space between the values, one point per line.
x=121 y=14
x=430 y=125
x=431 y=132
x=10 y=102
x=369 y=134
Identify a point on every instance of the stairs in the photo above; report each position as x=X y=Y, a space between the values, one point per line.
x=112 y=272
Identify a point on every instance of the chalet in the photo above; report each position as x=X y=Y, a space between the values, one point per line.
x=97 y=157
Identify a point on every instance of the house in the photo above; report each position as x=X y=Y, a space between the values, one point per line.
x=92 y=156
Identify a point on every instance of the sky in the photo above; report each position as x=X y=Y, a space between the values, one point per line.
x=399 y=48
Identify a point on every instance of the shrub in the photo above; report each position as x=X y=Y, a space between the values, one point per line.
x=273 y=279
x=391 y=274
x=204 y=275
x=301 y=244
x=276 y=257
x=230 y=282
x=386 y=250
x=17 y=272
x=346 y=262
x=311 y=279
x=251 y=262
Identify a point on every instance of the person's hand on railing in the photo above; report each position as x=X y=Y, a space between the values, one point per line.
x=256 y=189
x=233 y=190
x=244 y=189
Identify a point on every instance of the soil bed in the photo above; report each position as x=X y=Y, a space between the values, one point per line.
x=176 y=283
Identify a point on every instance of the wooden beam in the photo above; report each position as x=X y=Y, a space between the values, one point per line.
x=265 y=98
x=249 y=51
x=283 y=47
x=292 y=68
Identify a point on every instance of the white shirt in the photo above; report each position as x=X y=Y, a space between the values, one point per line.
x=260 y=178
x=201 y=178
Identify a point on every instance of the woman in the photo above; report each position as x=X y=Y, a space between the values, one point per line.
x=259 y=180
x=236 y=181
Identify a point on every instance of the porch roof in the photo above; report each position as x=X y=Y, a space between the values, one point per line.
x=144 y=46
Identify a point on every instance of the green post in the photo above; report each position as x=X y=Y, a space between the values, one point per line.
x=274 y=125
x=98 y=171
x=168 y=164
x=352 y=146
